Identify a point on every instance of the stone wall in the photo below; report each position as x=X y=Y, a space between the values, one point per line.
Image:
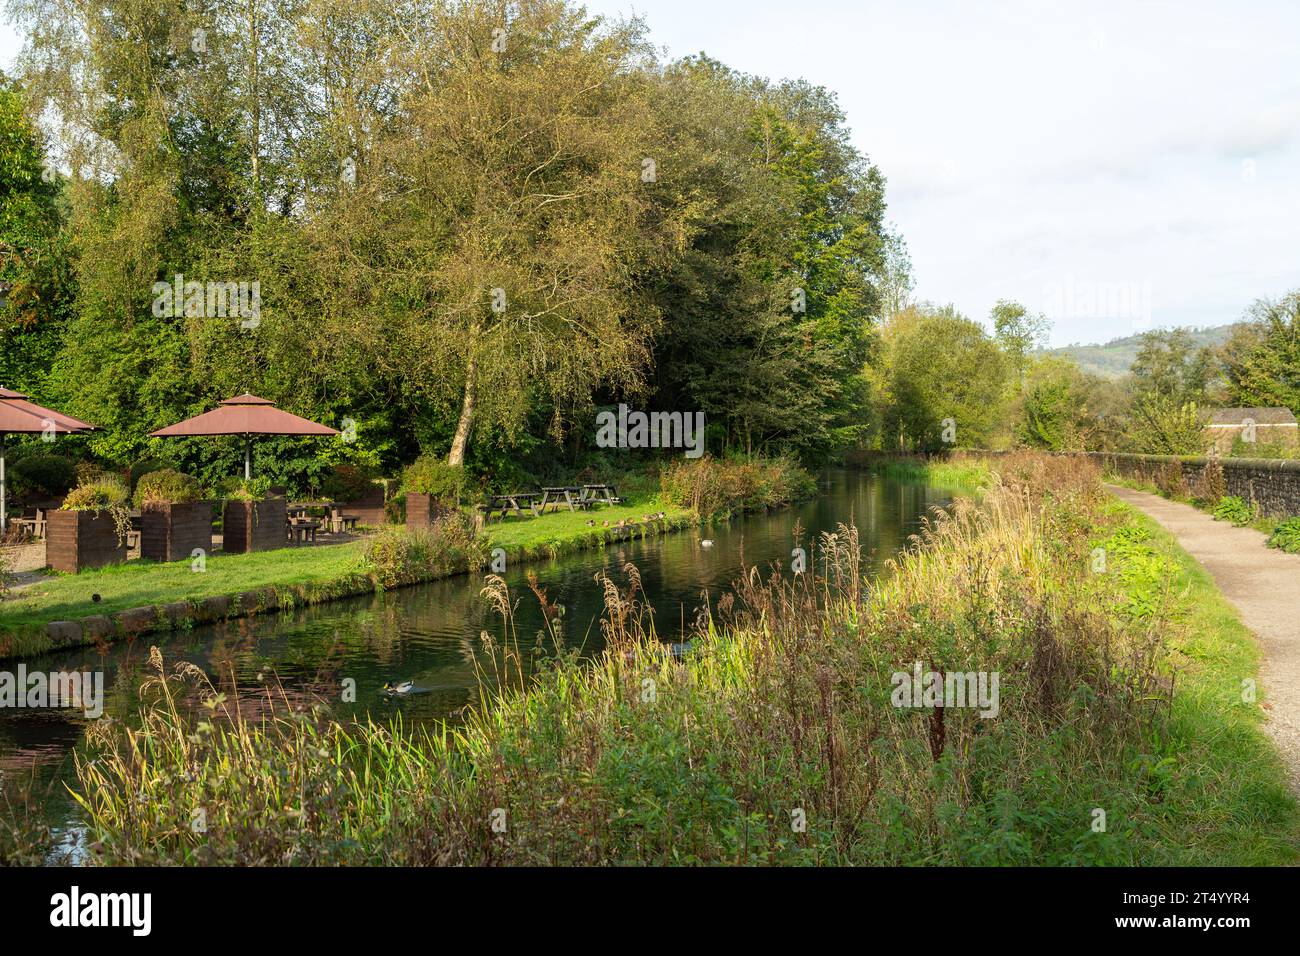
x=1272 y=484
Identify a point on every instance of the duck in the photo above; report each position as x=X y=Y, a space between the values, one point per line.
x=591 y=523
x=706 y=543
x=400 y=689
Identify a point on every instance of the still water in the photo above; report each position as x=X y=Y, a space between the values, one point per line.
x=431 y=634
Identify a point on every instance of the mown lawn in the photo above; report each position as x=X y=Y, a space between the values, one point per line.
x=560 y=531
x=140 y=583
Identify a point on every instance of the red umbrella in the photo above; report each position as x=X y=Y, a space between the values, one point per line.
x=245 y=415
x=18 y=416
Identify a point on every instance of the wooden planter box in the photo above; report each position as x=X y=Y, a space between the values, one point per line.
x=423 y=510
x=77 y=540
x=172 y=532
x=255 y=525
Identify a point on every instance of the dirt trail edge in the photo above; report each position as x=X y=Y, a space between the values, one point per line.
x=1264 y=586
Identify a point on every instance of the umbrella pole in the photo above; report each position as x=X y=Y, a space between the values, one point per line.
x=248 y=458
x=4 y=515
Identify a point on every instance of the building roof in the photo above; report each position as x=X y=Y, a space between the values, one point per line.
x=1237 y=417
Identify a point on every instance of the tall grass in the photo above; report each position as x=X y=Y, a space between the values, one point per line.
x=717 y=487
x=771 y=738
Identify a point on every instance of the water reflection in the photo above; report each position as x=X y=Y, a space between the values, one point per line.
x=432 y=634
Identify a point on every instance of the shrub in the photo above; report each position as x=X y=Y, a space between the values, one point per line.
x=5 y=575
x=430 y=475
x=106 y=493
x=1232 y=508
x=714 y=487
x=43 y=476
x=253 y=489
x=146 y=467
x=101 y=494
x=167 y=486
x=1286 y=536
x=396 y=556
x=347 y=483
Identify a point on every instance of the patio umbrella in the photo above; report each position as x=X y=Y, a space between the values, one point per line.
x=245 y=415
x=18 y=416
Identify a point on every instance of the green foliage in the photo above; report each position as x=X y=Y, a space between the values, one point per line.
x=102 y=494
x=256 y=488
x=42 y=475
x=1018 y=331
x=1261 y=358
x=396 y=556
x=940 y=367
x=167 y=486
x=714 y=487
x=1162 y=427
x=1286 y=536
x=431 y=475
x=347 y=483
x=1233 y=509
x=1057 y=406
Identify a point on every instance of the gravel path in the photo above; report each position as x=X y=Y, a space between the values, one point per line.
x=1264 y=586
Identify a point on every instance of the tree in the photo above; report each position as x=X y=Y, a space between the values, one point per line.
x=1261 y=359
x=945 y=381
x=895 y=278
x=36 y=284
x=769 y=311
x=1062 y=407
x=1019 y=332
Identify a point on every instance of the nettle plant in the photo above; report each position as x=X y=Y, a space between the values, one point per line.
x=167 y=487
x=104 y=493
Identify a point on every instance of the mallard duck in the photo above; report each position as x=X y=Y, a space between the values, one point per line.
x=405 y=687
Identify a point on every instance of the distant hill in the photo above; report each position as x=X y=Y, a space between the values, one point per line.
x=1115 y=358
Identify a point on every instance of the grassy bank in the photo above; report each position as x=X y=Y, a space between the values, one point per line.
x=303 y=575
x=293 y=577
x=776 y=738
x=563 y=532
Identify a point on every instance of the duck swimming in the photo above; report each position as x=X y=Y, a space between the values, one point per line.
x=401 y=689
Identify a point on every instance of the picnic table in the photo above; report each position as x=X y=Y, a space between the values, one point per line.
x=511 y=502
x=572 y=495
x=33 y=525
x=602 y=494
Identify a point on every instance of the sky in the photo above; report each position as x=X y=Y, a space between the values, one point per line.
x=1117 y=166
